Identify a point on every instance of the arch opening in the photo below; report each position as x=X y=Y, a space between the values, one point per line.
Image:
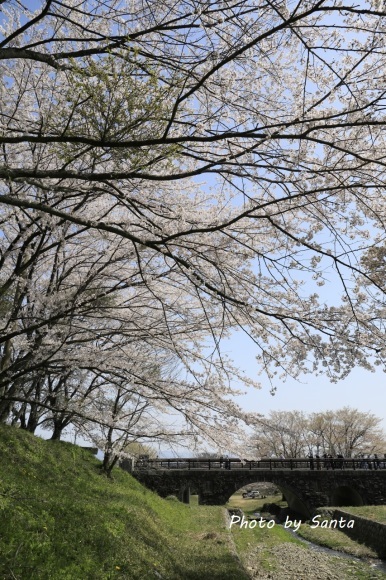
x=277 y=499
x=345 y=495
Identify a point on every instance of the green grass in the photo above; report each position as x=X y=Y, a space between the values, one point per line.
x=260 y=548
x=62 y=519
x=372 y=512
x=336 y=540
x=252 y=505
x=246 y=539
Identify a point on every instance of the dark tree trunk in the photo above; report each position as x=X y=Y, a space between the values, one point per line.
x=33 y=419
x=57 y=432
x=109 y=461
x=109 y=458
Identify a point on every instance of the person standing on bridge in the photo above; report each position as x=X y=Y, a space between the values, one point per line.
x=311 y=458
x=340 y=462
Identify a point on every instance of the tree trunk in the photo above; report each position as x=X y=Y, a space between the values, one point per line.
x=57 y=432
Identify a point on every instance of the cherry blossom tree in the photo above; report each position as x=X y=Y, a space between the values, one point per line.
x=87 y=334
x=282 y=434
x=345 y=431
x=173 y=171
x=348 y=432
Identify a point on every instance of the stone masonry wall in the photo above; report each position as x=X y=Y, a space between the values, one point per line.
x=365 y=531
x=309 y=489
x=368 y=532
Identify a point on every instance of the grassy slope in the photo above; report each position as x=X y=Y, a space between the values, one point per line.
x=60 y=518
x=372 y=512
x=336 y=540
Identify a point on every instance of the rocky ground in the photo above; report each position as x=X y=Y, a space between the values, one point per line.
x=293 y=562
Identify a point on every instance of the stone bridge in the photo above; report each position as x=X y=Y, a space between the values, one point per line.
x=305 y=488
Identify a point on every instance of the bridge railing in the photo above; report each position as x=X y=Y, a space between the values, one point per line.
x=265 y=463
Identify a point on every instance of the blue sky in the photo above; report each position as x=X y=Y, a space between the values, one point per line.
x=362 y=389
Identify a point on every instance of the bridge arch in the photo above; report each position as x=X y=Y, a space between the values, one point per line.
x=304 y=489
x=295 y=501
x=344 y=495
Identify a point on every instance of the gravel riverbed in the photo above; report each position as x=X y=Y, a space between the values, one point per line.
x=292 y=562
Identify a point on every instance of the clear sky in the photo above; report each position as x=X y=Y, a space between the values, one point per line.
x=362 y=389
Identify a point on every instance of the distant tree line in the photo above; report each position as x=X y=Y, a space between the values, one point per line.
x=348 y=432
